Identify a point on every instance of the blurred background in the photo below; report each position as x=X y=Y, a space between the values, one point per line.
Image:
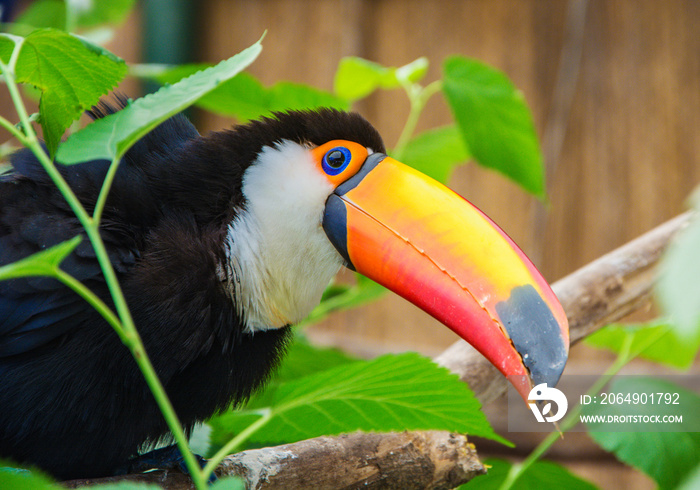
x=614 y=86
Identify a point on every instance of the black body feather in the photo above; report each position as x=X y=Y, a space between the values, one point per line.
x=72 y=400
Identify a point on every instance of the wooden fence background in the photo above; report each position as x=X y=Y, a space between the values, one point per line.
x=615 y=90
x=614 y=87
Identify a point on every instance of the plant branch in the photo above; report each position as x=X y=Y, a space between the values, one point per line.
x=418 y=96
x=104 y=191
x=91 y=298
x=12 y=129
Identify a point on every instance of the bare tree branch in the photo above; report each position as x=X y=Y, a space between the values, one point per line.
x=603 y=291
x=407 y=460
x=430 y=459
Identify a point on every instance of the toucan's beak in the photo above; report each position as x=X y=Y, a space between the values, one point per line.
x=426 y=243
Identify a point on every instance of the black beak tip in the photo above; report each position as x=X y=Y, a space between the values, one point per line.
x=535 y=334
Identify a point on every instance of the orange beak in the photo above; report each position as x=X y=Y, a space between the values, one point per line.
x=426 y=243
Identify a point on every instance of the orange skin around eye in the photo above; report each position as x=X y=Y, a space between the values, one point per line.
x=359 y=155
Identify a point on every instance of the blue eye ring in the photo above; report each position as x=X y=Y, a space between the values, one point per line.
x=336 y=160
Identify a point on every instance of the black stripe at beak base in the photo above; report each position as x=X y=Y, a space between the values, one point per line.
x=335 y=224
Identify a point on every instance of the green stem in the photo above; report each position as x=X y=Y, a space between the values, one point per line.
x=71 y=17
x=623 y=358
x=236 y=442
x=132 y=340
x=354 y=296
x=125 y=328
x=19 y=41
x=104 y=191
x=169 y=414
x=418 y=96
x=12 y=129
x=91 y=298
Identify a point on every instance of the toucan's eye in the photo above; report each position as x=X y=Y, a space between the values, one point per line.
x=336 y=160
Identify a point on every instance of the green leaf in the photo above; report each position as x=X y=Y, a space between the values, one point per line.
x=662 y=341
x=44 y=13
x=541 y=475
x=412 y=72
x=20 y=479
x=436 y=152
x=97 y=12
x=282 y=96
x=245 y=98
x=113 y=135
x=667 y=457
x=342 y=298
x=392 y=392
x=42 y=263
x=304 y=359
x=357 y=78
x=678 y=287
x=692 y=480
x=52 y=13
x=71 y=74
x=199 y=440
x=494 y=121
x=166 y=74
x=228 y=483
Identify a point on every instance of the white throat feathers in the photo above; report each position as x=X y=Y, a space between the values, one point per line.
x=280 y=259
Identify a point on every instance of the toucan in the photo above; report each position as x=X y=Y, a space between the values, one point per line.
x=221 y=243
